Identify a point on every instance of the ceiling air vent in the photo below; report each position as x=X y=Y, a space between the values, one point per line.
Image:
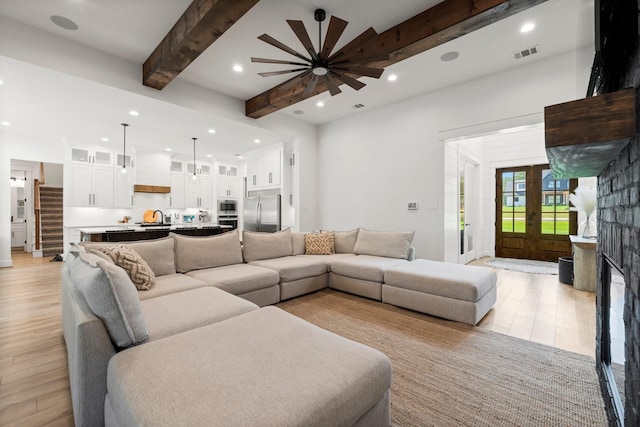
x=527 y=52
x=356 y=106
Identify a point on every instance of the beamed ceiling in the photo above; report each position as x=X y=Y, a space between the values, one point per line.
x=205 y=21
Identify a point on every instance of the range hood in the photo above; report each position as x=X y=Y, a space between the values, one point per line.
x=138 y=188
x=582 y=137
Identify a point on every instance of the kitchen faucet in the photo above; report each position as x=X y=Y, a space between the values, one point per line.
x=161 y=216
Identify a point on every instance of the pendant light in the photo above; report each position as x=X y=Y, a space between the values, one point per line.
x=194 y=177
x=124 y=149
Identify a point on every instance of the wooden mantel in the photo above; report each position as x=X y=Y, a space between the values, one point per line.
x=582 y=137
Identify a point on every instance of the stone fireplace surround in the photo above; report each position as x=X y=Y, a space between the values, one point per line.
x=619 y=240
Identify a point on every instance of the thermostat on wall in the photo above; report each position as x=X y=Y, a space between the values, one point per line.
x=412 y=206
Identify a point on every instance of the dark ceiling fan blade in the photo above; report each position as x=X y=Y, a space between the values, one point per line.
x=311 y=85
x=368 y=35
x=355 y=84
x=331 y=85
x=277 y=73
x=360 y=71
x=294 y=81
x=301 y=32
x=334 y=31
x=273 y=42
x=276 y=61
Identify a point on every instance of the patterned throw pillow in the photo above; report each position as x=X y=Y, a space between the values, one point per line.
x=138 y=270
x=317 y=244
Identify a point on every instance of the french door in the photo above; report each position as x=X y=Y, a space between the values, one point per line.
x=467 y=208
x=533 y=220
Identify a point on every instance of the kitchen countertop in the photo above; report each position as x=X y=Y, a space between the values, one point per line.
x=137 y=227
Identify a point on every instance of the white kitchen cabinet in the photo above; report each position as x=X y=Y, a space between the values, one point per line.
x=228 y=170
x=91 y=156
x=202 y=169
x=198 y=192
x=176 y=197
x=91 y=185
x=177 y=166
x=18 y=234
x=264 y=169
x=228 y=188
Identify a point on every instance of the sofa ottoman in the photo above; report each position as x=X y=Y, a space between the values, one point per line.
x=463 y=293
x=265 y=367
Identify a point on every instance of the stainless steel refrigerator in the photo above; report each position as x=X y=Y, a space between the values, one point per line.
x=262 y=213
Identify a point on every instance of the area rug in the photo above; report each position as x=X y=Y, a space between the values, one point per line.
x=524 y=265
x=451 y=374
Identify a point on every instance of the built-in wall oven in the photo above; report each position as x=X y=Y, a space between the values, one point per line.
x=228 y=213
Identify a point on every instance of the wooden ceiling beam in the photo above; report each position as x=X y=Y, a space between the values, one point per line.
x=200 y=25
x=437 y=25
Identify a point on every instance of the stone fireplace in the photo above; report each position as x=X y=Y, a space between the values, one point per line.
x=619 y=248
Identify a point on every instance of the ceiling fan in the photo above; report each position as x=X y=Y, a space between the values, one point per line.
x=344 y=66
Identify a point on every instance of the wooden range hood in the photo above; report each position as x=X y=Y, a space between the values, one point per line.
x=582 y=137
x=137 y=188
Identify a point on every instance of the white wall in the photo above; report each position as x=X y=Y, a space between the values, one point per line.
x=371 y=164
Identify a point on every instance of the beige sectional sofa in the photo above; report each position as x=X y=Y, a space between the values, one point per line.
x=197 y=349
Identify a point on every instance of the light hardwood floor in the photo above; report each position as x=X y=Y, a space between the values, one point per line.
x=34 y=381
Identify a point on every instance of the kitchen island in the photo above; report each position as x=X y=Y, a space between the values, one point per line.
x=132 y=232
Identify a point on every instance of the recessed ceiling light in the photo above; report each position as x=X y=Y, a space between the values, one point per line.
x=239 y=156
x=320 y=104
x=212 y=131
x=209 y=156
x=105 y=139
x=527 y=27
x=257 y=141
x=134 y=113
x=167 y=149
x=449 y=56
x=5 y=123
x=63 y=22
x=1 y=82
x=238 y=68
x=392 y=77
x=298 y=112
x=357 y=106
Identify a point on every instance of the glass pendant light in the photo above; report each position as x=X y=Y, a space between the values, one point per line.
x=124 y=149
x=194 y=177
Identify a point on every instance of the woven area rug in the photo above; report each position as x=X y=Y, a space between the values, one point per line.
x=451 y=374
x=524 y=265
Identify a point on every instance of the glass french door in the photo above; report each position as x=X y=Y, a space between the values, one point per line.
x=467 y=206
x=533 y=220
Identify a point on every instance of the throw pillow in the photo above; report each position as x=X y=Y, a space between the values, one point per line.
x=111 y=296
x=391 y=244
x=297 y=243
x=317 y=244
x=138 y=270
x=199 y=252
x=345 y=241
x=261 y=245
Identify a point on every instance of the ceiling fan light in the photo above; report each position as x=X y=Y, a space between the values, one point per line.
x=320 y=71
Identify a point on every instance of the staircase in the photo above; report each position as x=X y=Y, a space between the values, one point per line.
x=51 y=220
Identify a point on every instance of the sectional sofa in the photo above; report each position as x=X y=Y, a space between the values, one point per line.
x=181 y=331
